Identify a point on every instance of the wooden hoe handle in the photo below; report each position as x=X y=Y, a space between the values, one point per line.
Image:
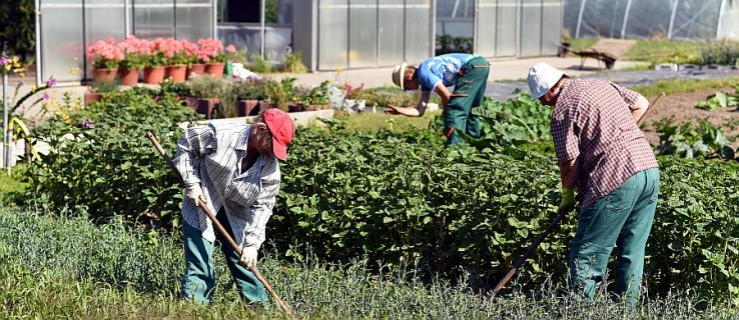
x=220 y=227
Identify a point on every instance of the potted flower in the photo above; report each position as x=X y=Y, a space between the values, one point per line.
x=155 y=61
x=214 y=55
x=134 y=61
x=106 y=57
x=176 y=60
x=247 y=95
x=316 y=98
x=195 y=63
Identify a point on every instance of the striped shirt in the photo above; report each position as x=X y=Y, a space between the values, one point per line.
x=592 y=120
x=211 y=155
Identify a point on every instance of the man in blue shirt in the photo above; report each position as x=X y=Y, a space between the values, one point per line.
x=468 y=73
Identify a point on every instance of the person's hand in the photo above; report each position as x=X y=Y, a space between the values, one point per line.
x=568 y=199
x=248 y=257
x=391 y=110
x=194 y=192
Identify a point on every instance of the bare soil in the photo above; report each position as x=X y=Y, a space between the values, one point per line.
x=682 y=108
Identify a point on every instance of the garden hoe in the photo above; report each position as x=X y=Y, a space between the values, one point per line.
x=220 y=228
x=560 y=214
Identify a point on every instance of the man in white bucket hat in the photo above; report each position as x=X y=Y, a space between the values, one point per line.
x=603 y=154
x=468 y=73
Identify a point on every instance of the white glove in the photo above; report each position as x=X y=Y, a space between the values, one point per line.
x=194 y=192
x=248 y=257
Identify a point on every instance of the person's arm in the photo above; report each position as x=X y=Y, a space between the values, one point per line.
x=259 y=212
x=194 y=143
x=568 y=172
x=639 y=108
x=412 y=111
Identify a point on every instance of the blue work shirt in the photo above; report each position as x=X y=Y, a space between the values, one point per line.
x=444 y=68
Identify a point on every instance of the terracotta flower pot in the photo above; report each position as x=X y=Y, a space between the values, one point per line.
x=248 y=108
x=128 y=77
x=104 y=75
x=204 y=106
x=295 y=108
x=215 y=69
x=91 y=97
x=177 y=73
x=196 y=68
x=264 y=105
x=154 y=75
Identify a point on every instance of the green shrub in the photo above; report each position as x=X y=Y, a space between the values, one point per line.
x=294 y=63
x=721 y=52
x=259 y=64
x=208 y=86
x=393 y=197
x=282 y=92
x=175 y=89
x=100 y=160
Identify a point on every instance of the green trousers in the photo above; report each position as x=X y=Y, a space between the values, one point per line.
x=199 y=280
x=622 y=218
x=469 y=90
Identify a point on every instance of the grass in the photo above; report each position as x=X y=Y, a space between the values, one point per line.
x=370 y=122
x=11 y=187
x=675 y=86
x=652 y=51
x=54 y=266
x=660 y=51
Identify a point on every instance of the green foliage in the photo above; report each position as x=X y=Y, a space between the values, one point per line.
x=248 y=89
x=259 y=64
x=294 y=63
x=282 y=92
x=515 y=122
x=12 y=188
x=175 y=89
x=63 y=267
x=208 y=86
x=720 y=100
x=17 y=27
x=317 y=95
x=103 y=86
x=676 y=86
x=446 y=43
x=661 y=51
x=133 y=61
x=721 y=52
x=684 y=140
x=100 y=160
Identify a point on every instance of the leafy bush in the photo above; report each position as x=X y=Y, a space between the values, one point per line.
x=100 y=160
x=259 y=64
x=317 y=95
x=294 y=63
x=208 y=86
x=720 y=100
x=175 y=89
x=685 y=140
x=282 y=92
x=721 y=52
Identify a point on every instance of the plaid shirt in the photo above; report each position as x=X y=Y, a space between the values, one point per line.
x=592 y=120
x=211 y=155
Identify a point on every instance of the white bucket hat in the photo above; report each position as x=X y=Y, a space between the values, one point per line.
x=399 y=75
x=542 y=77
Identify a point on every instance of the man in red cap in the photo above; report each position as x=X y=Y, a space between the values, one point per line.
x=233 y=169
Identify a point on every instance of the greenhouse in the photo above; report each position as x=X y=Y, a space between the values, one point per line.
x=639 y=19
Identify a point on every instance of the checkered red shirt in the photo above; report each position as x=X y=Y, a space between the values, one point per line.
x=592 y=120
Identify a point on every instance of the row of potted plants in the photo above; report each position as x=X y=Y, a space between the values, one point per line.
x=158 y=59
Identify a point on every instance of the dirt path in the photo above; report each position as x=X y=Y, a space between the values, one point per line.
x=682 y=108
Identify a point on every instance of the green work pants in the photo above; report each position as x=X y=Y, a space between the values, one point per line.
x=469 y=90
x=199 y=280
x=622 y=218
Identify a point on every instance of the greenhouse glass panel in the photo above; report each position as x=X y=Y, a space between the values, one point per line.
x=570 y=16
x=194 y=19
x=363 y=33
x=696 y=19
x=531 y=27
x=62 y=46
x=153 y=18
x=332 y=34
x=603 y=18
x=551 y=20
x=730 y=22
x=104 y=19
x=249 y=37
x=487 y=17
x=418 y=30
x=649 y=19
x=390 y=32
x=507 y=28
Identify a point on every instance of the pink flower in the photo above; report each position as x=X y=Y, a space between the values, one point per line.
x=231 y=48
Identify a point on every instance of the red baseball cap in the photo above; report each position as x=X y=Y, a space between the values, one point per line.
x=282 y=129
